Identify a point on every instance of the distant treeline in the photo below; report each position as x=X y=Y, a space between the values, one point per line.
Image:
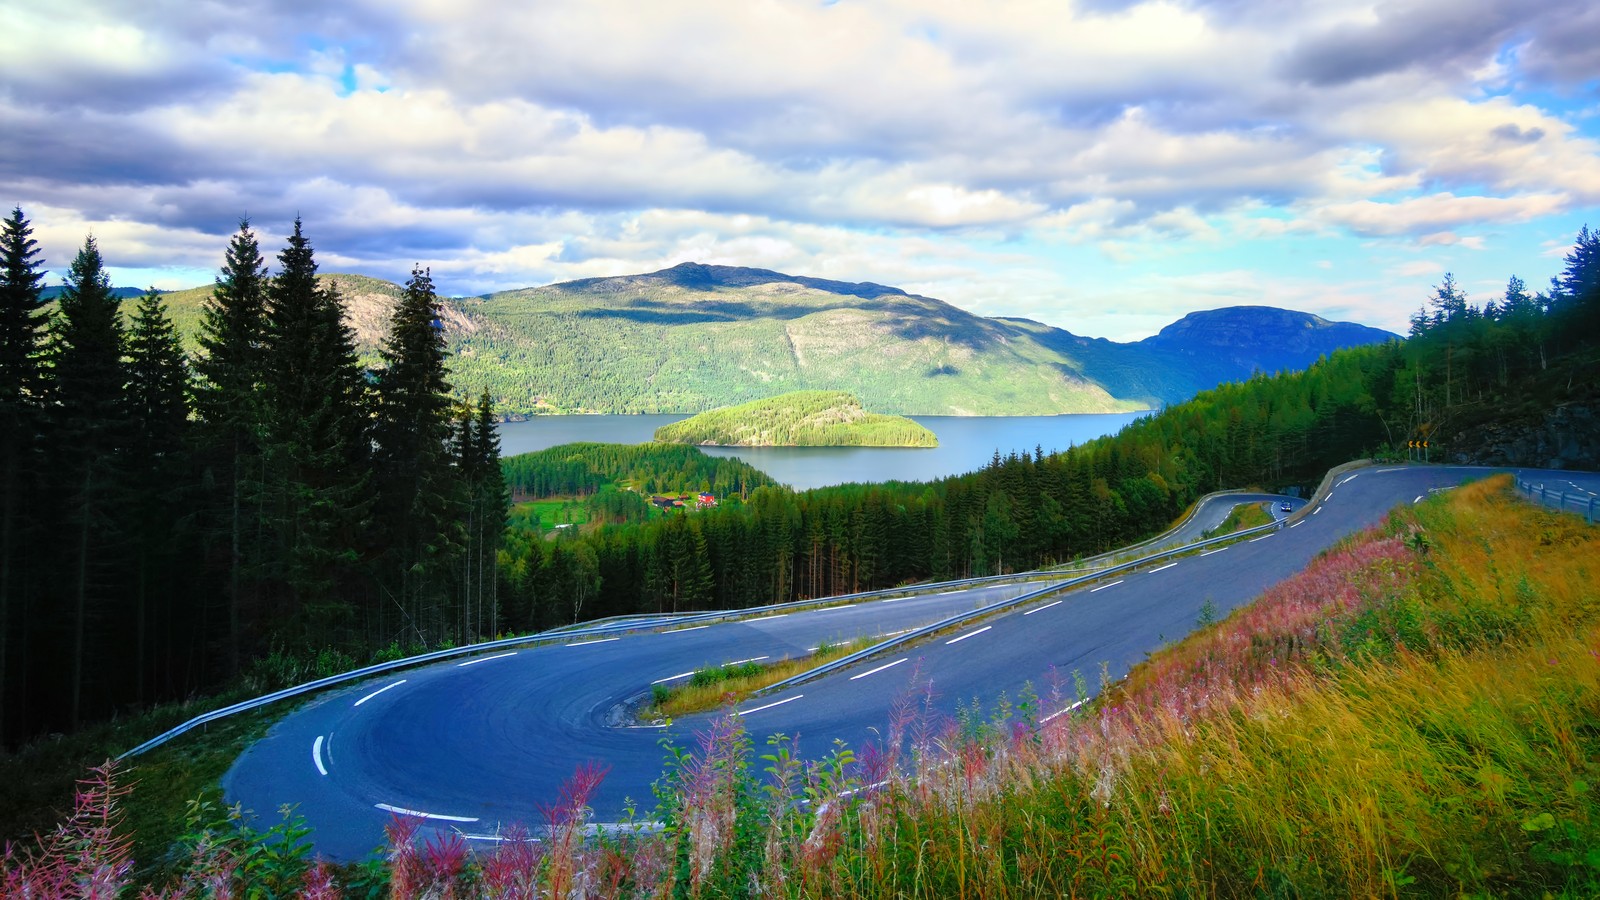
x=581 y=469
x=1463 y=363
x=168 y=521
x=798 y=419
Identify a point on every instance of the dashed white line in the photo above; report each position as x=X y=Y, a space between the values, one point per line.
x=958 y=640
x=1299 y=523
x=423 y=815
x=1209 y=552
x=1062 y=712
x=1262 y=538
x=742 y=661
x=589 y=643
x=379 y=691
x=316 y=755
x=1104 y=586
x=1395 y=469
x=682 y=630
x=1317 y=510
x=746 y=712
x=1327 y=498
x=473 y=662
x=764 y=618
x=673 y=677
x=1161 y=569
x=1351 y=478
x=1042 y=608
x=1416 y=501
x=880 y=668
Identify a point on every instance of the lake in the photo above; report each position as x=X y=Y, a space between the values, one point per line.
x=966 y=443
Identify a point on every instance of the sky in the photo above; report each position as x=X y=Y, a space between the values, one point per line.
x=1100 y=166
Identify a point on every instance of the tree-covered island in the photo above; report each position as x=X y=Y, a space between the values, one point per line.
x=798 y=419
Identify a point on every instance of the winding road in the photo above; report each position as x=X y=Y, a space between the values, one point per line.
x=473 y=745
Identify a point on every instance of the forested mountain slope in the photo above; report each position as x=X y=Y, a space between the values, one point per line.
x=695 y=337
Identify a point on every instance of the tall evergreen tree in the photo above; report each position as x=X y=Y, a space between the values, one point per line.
x=315 y=445
x=231 y=370
x=89 y=433
x=22 y=327
x=419 y=491
x=157 y=465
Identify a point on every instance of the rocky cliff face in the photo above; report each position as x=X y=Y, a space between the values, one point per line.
x=1568 y=437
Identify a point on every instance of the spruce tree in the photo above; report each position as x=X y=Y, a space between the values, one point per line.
x=231 y=370
x=419 y=492
x=22 y=327
x=491 y=504
x=315 y=447
x=157 y=464
x=88 y=435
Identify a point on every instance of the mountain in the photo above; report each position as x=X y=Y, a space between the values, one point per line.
x=695 y=337
x=125 y=293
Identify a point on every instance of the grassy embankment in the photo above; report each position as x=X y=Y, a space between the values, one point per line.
x=727 y=685
x=1417 y=713
x=1245 y=515
x=798 y=419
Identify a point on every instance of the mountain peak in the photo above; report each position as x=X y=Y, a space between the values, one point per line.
x=703 y=277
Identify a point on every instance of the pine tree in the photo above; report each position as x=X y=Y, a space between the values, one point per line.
x=315 y=447
x=419 y=491
x=230 y=371
x=22 y=327
x=157 y=463
x=89 y=433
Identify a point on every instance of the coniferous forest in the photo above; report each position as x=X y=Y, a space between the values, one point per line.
x=168 y=520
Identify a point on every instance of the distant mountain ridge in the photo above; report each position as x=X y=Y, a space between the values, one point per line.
x=694 y=337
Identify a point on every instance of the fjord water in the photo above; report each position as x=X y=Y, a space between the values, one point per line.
x=966 y=443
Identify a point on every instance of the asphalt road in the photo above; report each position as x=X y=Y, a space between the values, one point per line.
x=476 y=744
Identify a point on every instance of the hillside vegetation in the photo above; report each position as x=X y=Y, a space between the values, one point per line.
x=798 y=419
x=692 y=338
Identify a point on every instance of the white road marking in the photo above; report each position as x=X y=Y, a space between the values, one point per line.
x=682 y=630
x=968 y=634
x=1299 y=523
x=1317 y=510
x=741 y=661
x=1209 y=552
x=896 y=599
x=1394 y=469
x=1062 y=712
x=880 y=668
x=1104 y=586
x=1042 y=608
x=379 y=691
x=1351 y=478
x=1418 y=500
x=422 y=815
x=764 y=618
x=1262 y=538
x=588 y=643
x=316 y=755
x=1327 y=498
x=746 y=712
x=473 y=662
x=672 y=677
x=1161 y=569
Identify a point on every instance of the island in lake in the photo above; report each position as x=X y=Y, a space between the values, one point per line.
x=798 y=419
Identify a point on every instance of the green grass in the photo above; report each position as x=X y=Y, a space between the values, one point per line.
x=1245 y=515
x=37 y=781
x=547 y=514
x=798 y=419
x=714 y=687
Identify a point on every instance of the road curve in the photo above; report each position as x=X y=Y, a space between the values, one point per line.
x=475 y=744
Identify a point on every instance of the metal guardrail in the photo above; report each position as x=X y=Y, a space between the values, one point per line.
x=1003 y=605
x=1566 y=501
